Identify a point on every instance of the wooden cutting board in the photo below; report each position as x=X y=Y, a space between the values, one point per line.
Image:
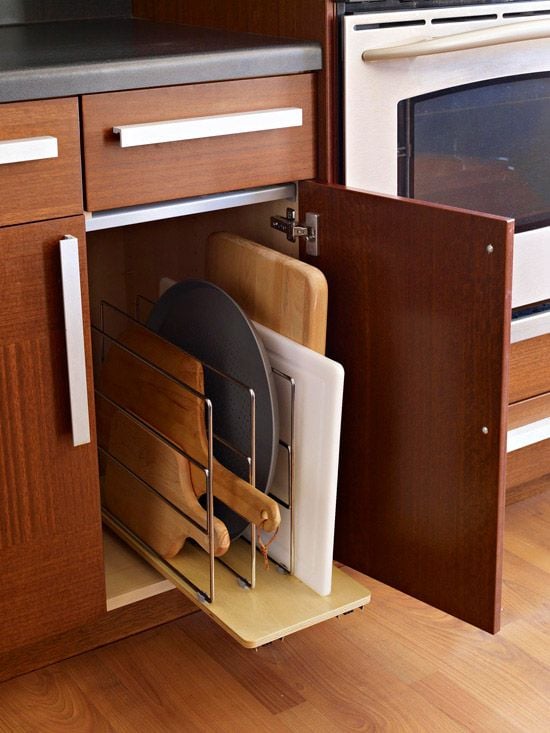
x=161 y=467
x=278 y=291
x=179 y=416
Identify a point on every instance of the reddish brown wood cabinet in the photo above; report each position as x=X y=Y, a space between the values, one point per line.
x=125 y=176
x=529 y=394
x=413 y=508
x=46 y=180
x=419 y=315
x=50 y=534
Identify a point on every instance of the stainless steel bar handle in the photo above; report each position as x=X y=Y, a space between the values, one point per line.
x=194 y=128
x=74 y=334
x=492 y=36
x=28 y=148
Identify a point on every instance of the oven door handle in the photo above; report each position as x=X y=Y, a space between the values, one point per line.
x=493 y=36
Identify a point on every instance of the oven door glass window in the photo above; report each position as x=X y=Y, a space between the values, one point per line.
x=482 y=146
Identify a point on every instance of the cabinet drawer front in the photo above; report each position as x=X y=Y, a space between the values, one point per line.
x=175 y=142
x=40 y=173
x=529 y=411
x=529 y=368
x=528 y=471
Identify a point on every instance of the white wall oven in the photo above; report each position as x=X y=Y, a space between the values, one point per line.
x=452 y=105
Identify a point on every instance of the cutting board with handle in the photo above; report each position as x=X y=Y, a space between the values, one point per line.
x=155 y=521
x=319 y=384
x=178 y=415
x=278 y=291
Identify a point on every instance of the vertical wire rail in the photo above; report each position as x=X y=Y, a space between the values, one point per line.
x=209 y=471
x=290 y=449
x=251 y=462
x=253 y=530
x=209 y=480
x=291 y=477
x=210 y=497
x=114 y=521
x=149 y=428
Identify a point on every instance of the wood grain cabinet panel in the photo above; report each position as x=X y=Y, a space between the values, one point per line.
x=419 y=316
x=117 y=177
x=312 y=20
x=527 y=411
x=50 y=528
x=46 y=188
x=528 y=471
x=529 y=368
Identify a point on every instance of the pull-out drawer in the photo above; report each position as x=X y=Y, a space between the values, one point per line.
x=529 y=367
x=40 y=175
x=528 y=463
x=174 y=142
x=528 y=471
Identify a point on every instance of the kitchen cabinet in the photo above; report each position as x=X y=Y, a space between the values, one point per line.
x=318 y=19
x=50 y=533
x=51 y=538
x=411 y=355
x=418 y=307
x=529 y=394
x=312 y=20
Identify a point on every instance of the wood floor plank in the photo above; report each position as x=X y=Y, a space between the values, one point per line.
x=307 y=719
x=529 y=520
x=350 y=689
x=48 y=701
x=461 y=706
x=533 y=637
x=532 y=550
x=263 y=675
x=525 y=589
x=180 y=686
x=490 y=668
x=125 y=699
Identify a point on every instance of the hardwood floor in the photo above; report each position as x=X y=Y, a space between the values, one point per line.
x=398 y=666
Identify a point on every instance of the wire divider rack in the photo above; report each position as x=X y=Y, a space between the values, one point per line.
x=110 y=313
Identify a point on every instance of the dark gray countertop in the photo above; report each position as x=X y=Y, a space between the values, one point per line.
x=42 y=60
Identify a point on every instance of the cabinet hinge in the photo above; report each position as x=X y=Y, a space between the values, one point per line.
x=309 y=230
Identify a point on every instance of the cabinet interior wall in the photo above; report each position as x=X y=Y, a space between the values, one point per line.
x=129 y=261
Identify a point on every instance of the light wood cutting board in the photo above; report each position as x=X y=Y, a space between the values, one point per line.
x=179 y=416
x=278 y=291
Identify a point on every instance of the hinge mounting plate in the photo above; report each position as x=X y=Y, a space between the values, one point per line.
x=292 y=230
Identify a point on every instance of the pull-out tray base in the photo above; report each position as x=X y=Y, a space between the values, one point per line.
x=279 y=605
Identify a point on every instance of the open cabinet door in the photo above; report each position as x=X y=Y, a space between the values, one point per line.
x=419 y=315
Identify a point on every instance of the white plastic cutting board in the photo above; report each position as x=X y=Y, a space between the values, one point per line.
x=318 y=414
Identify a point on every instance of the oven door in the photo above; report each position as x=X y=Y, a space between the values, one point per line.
x=453 y=106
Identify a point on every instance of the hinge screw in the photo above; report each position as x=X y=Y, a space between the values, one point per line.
x=490 y=248
x=485 y=430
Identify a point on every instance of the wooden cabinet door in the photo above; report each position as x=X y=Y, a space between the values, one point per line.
x=50 y=534
x=419 y=313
